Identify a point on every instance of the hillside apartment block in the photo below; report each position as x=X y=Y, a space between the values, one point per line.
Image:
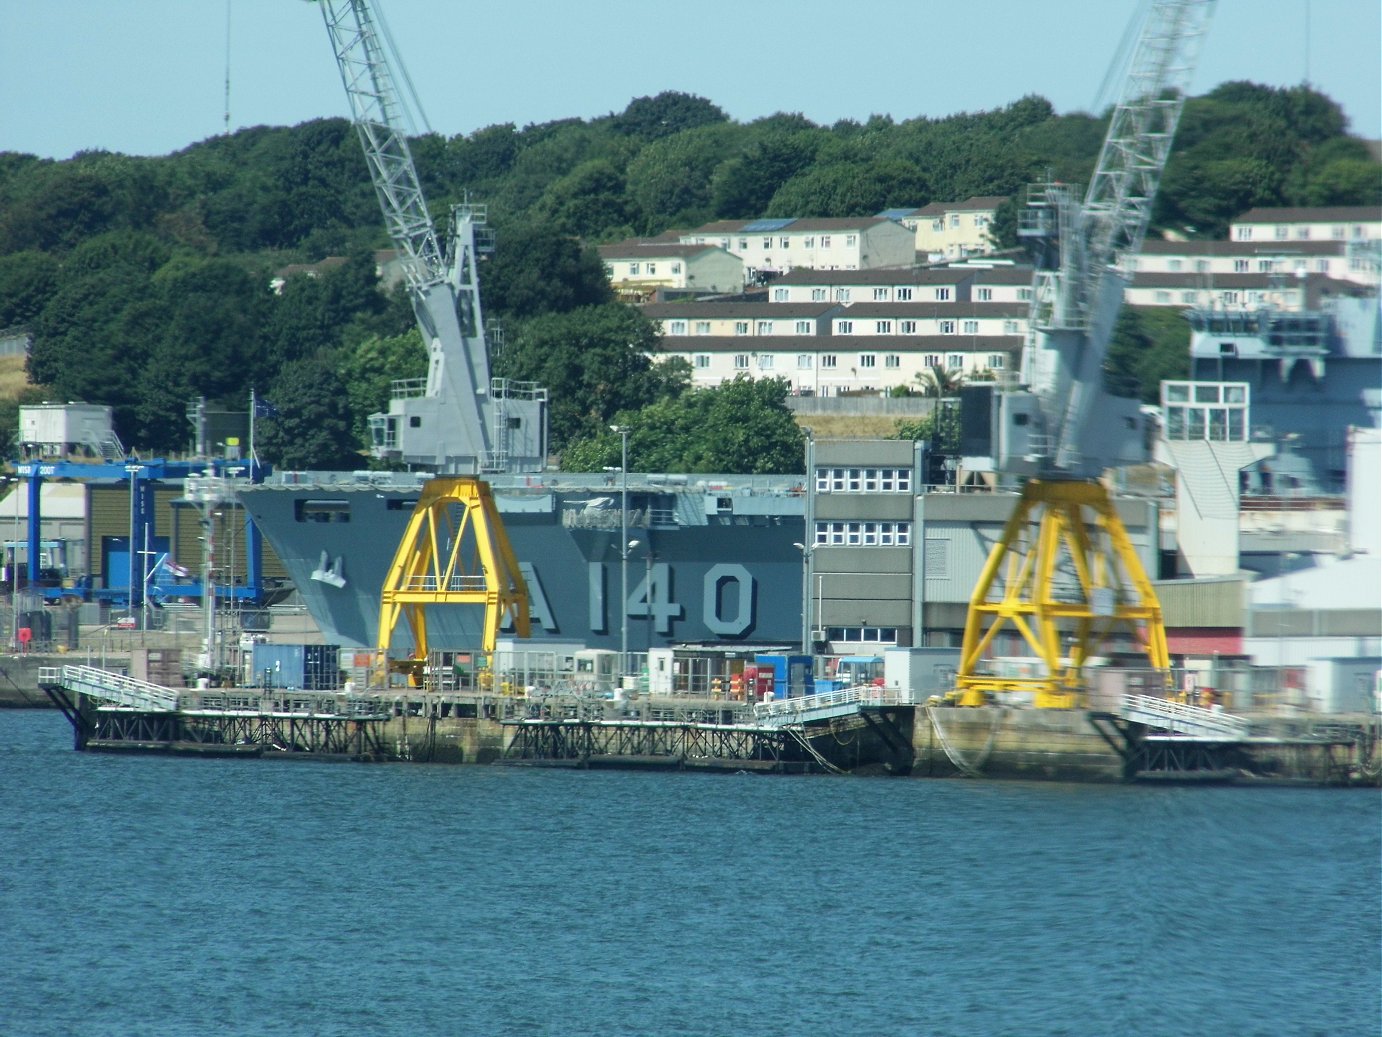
x=835 y=329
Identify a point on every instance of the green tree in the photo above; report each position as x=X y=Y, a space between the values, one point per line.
x=537 y=270
x=669 y=113
x=741 y=426
x=27 y=280
x=312 y=429
x=594 y=362
x=371 y=367
x=1149 y=344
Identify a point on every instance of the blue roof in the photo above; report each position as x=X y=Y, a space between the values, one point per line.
x=761 y=225
x=895 y=214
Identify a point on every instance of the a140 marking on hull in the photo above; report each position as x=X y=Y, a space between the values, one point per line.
x=729 y=598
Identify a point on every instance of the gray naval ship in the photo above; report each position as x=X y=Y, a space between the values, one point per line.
x=712 y=559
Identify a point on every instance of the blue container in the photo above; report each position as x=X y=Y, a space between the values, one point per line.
x=297 y=667
x=791 y=674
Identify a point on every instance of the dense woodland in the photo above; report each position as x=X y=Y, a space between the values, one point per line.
x=145 y=281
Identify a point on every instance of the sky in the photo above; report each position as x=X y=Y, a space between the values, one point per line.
x=147 y=77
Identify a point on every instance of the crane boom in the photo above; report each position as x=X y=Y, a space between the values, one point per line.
x=461 y=421
x=1064 y=575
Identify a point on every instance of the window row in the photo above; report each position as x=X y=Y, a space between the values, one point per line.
x=863 y=480
x=864 y=534
x=863 y=635
x=831 y=361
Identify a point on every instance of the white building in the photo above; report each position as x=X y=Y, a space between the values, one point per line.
x=768 y=246
x=640 y=267
x=952 y=230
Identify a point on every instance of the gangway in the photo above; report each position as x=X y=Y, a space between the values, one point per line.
x=110 y=688
x=1183 y=719
x=796 y=712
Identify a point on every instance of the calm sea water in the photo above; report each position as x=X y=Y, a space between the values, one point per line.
x=149 y=895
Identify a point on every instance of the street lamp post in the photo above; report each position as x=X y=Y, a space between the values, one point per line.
x=623 y=431
x=805 y=597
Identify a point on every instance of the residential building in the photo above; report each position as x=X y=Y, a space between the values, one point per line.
x=1337 y=259
x=769 y=246
x=952 y=230
x=641 y=267
x=1325 y=223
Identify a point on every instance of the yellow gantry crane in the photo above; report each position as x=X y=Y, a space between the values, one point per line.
x=454 y=552
x=1064 y=574
x=1065 y=577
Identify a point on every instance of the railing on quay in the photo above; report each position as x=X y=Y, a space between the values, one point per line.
x=1183 y=718
x=111 y=687
x=830 y=703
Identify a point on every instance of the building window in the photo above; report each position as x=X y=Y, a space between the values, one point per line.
x=863 y=480
x=984 y=294
x=908 y=327
x=1228 y=297
x=1201 y=266
x=743 y=244
x=864 y=534
x=1321 y=266
x=942 y=295
x=903 y=294
x=954 y=220
x=883 y=327
x=893 y=361
x=818 y=295
x=1010 y=327
x=880 y=295
x=1264 y=266
x=825 y=241
x=676 y=268
x=785 y=242
x=702 y=327
x=845 y=327
x=1024 y=295
x=765 y=361
x=803 y=327
x=633 y=269
x=938 y=223
x=853 y=239
x=1282 y=233
x=767 y=244
x=868 y=360
x=1240 y=266
x=809 y=242
x=803 y=361
x=1188 y=298
x=724 y=244
x=954 y=361
x=971 y=327
x=1174 y=265
x=652 y=269
x=931 y=360
x=947 y=327
x=1242 y=233
x=702 y=361
x=1163 y=297
x=741 y=327
x=842 y=295
x=997 y=361
x=765 y=327
x=741 y=361
x=780 y=294
x=678 y=327
x=1337 y=232
x=609 y=271
x=828 y=360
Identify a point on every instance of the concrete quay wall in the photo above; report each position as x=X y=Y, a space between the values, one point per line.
x=444 y=739
x=1002 y=742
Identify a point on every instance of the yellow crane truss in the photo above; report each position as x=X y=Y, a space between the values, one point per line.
x=1065 y=576
x=454 y=552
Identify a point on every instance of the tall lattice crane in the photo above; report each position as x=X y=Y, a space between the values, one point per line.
x=460 y=420
x=1064 y=575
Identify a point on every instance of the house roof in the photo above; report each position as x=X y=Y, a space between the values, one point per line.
x=1159 y=247
x=977 y=203
x=651 y=248
x=1316 y=214
x=891 y=275
x=737 y=310
x=947 y=310
x=789 y=226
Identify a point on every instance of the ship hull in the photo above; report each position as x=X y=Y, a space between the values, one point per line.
x=732 y=579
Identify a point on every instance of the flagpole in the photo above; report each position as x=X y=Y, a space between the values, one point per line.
x=254 y=461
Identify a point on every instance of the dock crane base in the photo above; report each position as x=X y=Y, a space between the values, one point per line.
x=454 y=552
x=1064 y=576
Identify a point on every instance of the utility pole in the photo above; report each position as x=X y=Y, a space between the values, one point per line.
x=623 y=431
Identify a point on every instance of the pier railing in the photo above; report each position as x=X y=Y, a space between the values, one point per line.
x=1183 y=718
x=782 y=712
x=114 y=688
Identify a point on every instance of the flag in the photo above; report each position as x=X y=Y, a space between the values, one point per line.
x=176 y=570
x=264 y=409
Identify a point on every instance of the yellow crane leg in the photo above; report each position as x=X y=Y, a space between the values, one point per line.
x=1066 y=579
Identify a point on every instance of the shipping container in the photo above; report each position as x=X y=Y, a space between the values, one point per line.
x=297 y=667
